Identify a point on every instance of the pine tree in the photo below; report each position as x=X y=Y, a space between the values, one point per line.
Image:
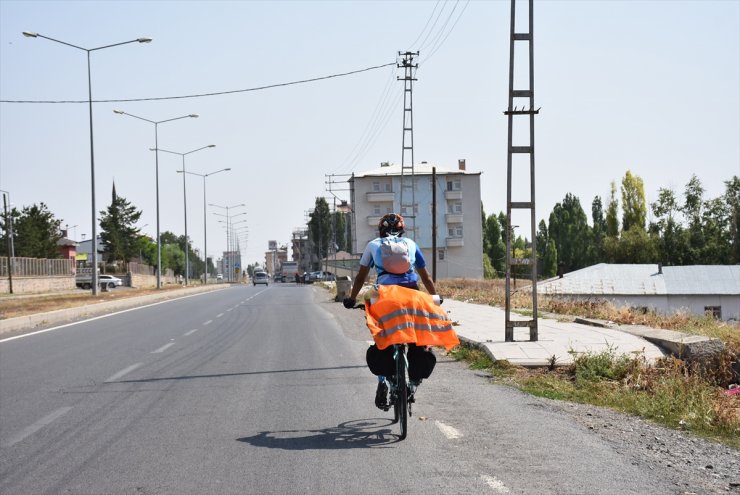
x=119 y=234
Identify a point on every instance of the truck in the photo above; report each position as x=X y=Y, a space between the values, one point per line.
x=288 y=270
x=83 y=278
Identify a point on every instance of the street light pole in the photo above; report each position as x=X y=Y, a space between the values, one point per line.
x=228 y=226
x=156 y=167
x=30 y=34
x=205 y=230
x=185 y=201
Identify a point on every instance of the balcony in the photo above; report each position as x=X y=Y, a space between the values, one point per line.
x=457 y=194
x=380 y=197
x=454 y=242
x=454 y=218
x=373 y=221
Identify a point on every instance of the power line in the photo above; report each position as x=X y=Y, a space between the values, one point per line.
x=201 y=95
x=434 y=49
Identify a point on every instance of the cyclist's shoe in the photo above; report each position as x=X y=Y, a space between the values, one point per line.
x=381 y=396
x=411 y=390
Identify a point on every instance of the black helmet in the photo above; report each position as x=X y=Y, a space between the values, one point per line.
x=391 y=224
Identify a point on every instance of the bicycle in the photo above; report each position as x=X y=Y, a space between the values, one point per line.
x=399 y=389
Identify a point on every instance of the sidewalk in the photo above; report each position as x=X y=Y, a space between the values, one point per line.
x=483 y=326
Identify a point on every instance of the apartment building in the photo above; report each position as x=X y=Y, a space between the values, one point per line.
x=459 y=246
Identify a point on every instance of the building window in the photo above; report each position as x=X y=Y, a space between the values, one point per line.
x=455 y=231
x=454 y=185
x=382 y=186
x=376 y=209
x=714 y=311
x=405 y=210
x=441 y=254
x=454 y=208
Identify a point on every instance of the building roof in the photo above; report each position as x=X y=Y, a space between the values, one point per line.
x=623 y=279
x=66 y=242
x=419 y=169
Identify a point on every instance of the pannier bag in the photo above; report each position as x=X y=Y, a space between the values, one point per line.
x=421 y=362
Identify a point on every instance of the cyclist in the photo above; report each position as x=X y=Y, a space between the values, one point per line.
x=398 y=261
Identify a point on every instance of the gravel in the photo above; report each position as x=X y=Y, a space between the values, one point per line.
x=694 y=465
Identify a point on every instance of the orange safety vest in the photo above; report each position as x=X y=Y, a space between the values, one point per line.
x=403 y=316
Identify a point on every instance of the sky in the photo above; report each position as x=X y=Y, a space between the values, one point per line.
x=647 y=86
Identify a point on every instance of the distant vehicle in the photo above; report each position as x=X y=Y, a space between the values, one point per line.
x=109 y=281
x=220 y=276
x=260 y=278
x=288 y=269
x=83 y=279
x=320 y=277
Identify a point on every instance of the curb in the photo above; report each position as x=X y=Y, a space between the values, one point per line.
x=681 y=345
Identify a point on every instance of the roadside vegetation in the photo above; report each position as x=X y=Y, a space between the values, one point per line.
x=671 y=392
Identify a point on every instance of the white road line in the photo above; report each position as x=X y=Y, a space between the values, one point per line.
x=163 y=348
x=496 y=484
x=207 y=323
x=124 y=371
x=191 y=332
x=229 y=309
x=448 y=431
x=30 y=430
x=219 y=315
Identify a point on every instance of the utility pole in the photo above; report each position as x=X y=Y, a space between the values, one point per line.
x=330 y=189
x=9 y=236
x=530 y=112
x=407 y=198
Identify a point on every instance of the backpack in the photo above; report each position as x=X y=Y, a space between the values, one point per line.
x=394 y=255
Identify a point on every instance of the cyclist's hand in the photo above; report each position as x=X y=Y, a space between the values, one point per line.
x=349 y=302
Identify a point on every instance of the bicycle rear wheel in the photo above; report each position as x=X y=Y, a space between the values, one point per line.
x=401 y=407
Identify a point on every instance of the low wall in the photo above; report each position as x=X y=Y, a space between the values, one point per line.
x=143 y=281
x=30 y=285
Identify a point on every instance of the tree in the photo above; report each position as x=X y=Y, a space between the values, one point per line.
x=692 y=211
x=634 y=209
x=732 y=198
x=598 y=232
x=568 y=228
x=612 y=211
x=496 y=246
x=488 y=270
x=319 y=227
x=119 y=234
x=550 y=260
x=671 y=242
x=35 y=232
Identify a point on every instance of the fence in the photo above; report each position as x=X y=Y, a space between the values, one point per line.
x=37 y=267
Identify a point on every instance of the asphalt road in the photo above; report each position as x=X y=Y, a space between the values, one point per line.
x=264 y=390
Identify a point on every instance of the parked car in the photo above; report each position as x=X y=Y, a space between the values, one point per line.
x=260 y=278
x=320 y=277
x=109 y=281
x=220 y=276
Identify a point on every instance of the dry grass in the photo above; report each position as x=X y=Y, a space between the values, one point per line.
x=12 y=305
x=492 y=292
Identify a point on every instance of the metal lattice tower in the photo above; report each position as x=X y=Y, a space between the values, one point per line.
x=514 y=111
x=408 y=198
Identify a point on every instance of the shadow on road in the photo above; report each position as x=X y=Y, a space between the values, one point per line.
x=364 y=433
x=245 y=373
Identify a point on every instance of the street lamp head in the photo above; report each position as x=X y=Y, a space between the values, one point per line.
x=152 y=149
x=119 y=112
x=29 y=34
x=228 y=168
x=193 y=115
x=144 y=40
x=211 y=146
